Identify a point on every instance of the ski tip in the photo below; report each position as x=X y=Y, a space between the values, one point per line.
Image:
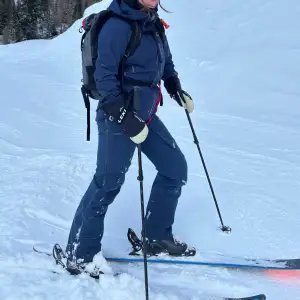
x=257 y=297
x=41 y=250
x=284 y=275
x=260 y=297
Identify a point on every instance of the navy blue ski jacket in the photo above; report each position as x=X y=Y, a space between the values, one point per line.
x=151 y=62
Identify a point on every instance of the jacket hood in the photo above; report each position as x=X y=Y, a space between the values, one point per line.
x=122 y=9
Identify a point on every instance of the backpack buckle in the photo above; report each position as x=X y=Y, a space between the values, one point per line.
x=127 y=54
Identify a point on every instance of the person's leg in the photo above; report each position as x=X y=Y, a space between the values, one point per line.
x=115 y=151
x=162 y=150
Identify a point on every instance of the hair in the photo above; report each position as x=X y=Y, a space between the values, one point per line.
x=163 y=7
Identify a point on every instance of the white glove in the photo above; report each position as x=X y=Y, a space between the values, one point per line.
x=133 y=126
x=186 y=100
x=141 y=136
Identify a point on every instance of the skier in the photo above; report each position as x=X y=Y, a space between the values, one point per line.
x=121 y=130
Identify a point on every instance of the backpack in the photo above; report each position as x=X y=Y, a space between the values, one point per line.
x=91 y=27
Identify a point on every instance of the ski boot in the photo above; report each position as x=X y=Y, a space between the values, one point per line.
x=78 y=268
x=171 y=247
x=75 y=268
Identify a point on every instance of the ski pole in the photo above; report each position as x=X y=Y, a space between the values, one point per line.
x=140 y=179
x=223 y=227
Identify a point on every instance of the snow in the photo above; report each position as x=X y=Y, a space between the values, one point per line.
x=240 y=60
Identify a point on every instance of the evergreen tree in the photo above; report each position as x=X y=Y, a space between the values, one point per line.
x=38 y=19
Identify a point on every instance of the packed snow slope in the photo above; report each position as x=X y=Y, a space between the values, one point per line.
x=240 y=60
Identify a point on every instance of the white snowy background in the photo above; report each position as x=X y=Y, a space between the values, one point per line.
x=240 y=60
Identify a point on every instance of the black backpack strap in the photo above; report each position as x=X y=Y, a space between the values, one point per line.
x=134 y=42
x=87 y=104
x=139 y=82
x=160 y=28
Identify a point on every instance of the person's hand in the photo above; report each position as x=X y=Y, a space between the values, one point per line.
x=173 y=87
x=134 y=127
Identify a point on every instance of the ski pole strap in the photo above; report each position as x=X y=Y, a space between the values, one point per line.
x=88 y=112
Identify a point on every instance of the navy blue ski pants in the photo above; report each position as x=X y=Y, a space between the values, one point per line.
x=115 y=152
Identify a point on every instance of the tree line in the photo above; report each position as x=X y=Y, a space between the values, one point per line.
x=38 y=19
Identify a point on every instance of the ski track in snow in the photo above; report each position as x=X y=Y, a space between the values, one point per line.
x=243 y=71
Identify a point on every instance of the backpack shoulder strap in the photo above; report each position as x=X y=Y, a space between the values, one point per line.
x=134 y=42
x=160 y=27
